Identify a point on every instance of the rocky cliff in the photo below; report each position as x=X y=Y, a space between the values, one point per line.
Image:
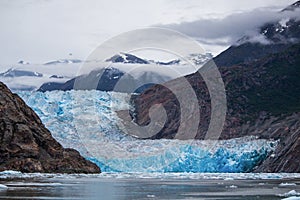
x=27 y=146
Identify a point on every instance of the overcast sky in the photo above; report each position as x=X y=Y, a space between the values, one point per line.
x=43 y=30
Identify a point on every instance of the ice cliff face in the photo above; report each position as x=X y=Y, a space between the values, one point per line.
x=87 y=121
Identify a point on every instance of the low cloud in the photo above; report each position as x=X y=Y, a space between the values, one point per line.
x=228 y=30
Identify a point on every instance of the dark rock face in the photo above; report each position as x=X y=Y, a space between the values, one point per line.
x=271 y=86
x=27 y=146
x=57 y=86
x=287 y=130
x=159 y=94
x=107 y=81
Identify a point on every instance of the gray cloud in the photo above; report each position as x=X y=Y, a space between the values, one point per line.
x=228 y=30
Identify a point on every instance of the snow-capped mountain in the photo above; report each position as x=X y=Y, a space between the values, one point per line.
x=60 y=74
x=133 y=70
x=285 y=30
x=273 y=37
x=56 y=76
x=127 y=58
x=63 y=61
x=292 y=7
x=172 y=62
x=199 y=59
x=17 y=73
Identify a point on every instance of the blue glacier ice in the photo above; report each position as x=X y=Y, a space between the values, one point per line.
x=87 y=121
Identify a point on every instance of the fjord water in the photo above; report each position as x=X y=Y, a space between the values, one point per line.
x=150 y=186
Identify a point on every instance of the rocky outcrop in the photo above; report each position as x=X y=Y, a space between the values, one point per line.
x=285 y=129
x=27 y=146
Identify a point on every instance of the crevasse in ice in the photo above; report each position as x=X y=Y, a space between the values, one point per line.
x=87 y=121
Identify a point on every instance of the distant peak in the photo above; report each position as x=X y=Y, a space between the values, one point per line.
x=63 y=61
x=22 y=62
x=127 y=58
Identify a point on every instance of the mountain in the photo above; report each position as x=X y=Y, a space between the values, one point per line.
x=63 y=61
x=22 y=62
x=56 y=76
x=27 y=146
x=18 y=73
x=292 y=7
x=262 y=89
x=108 y=81
x=111 y=75
x=197 y=59
x=109 y=78
x=127 y=58
x=271 y=38
x=172 y=62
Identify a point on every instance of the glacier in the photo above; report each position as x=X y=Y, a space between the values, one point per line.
x=88 y=122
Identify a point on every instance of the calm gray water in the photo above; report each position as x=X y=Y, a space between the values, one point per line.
x=150 y=186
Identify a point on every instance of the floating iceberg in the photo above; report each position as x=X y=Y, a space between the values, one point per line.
x=291 y=193
x=3 y=187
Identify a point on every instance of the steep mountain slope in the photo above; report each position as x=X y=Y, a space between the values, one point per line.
x=27 y=146
x=271 y=85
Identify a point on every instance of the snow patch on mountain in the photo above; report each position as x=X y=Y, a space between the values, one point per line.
x=63 y=61
x=18 y=73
